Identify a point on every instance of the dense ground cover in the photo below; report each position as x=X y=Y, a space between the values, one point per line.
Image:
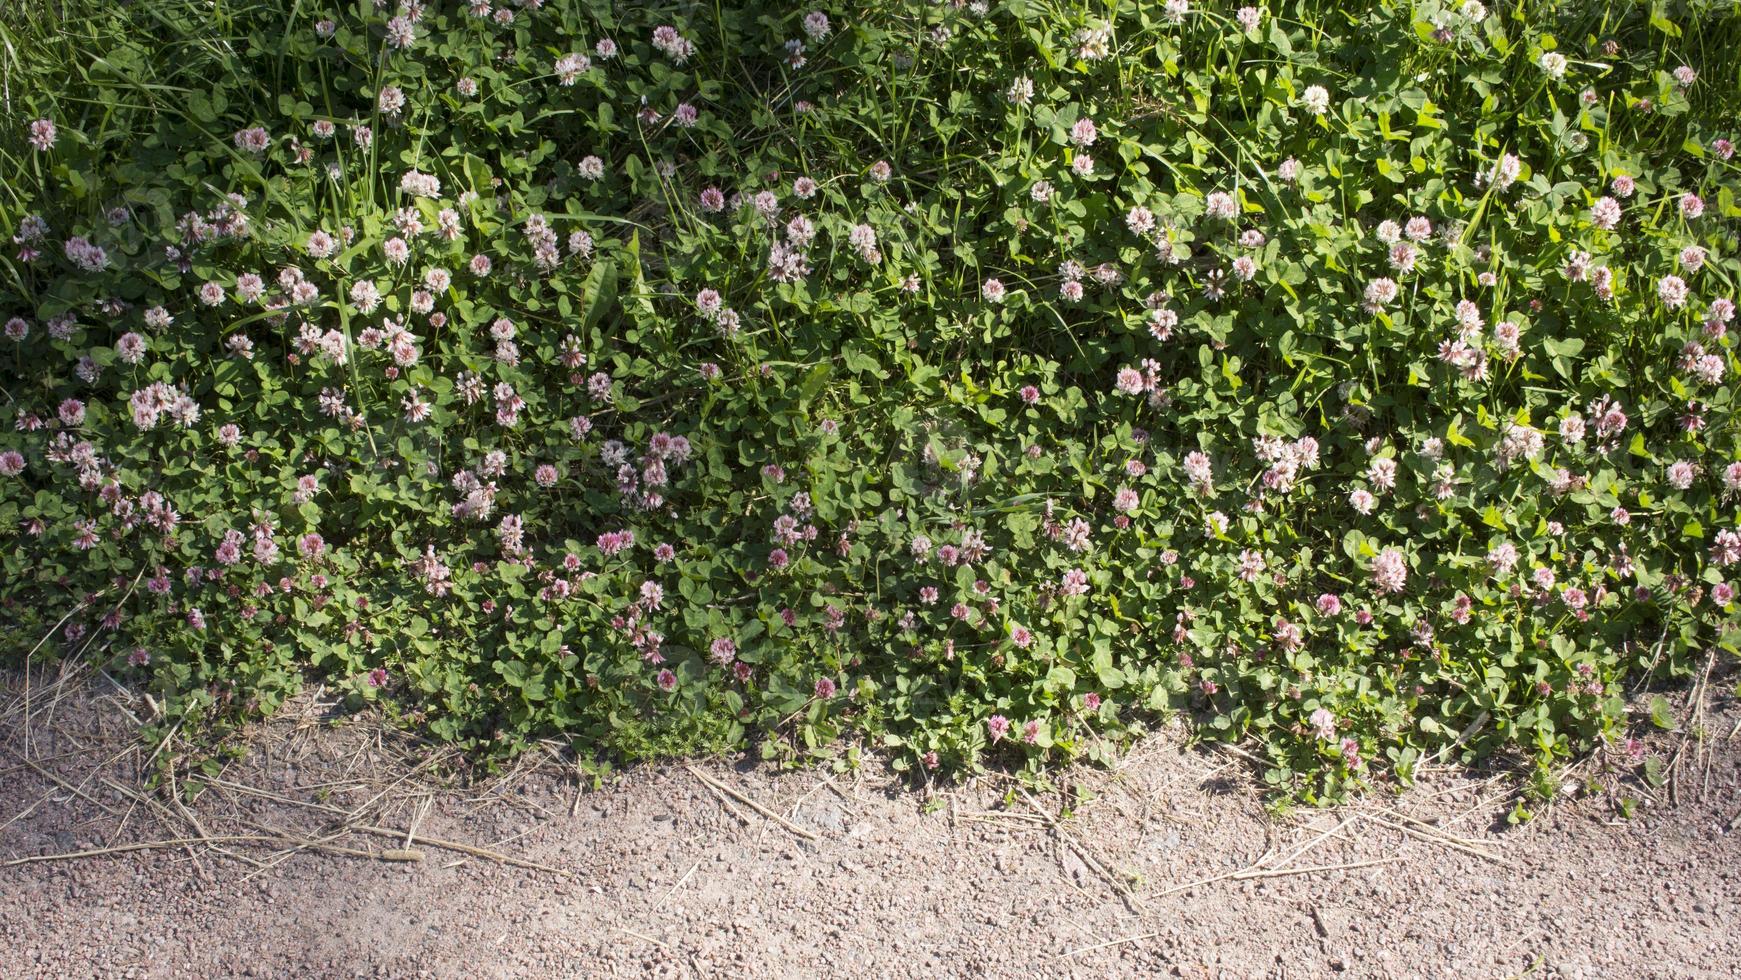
x=984 y=378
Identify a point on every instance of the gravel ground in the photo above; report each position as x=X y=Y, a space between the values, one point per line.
x=1169 y=865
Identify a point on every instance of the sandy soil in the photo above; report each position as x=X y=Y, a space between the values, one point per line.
x=1170 y=865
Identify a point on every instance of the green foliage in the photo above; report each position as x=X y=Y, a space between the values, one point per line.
x=982 y=379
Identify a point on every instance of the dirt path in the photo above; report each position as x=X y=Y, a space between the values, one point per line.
x=665 y=875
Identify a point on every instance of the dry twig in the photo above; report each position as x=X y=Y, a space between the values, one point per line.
x=448 y=845
x=673 y=889
x=1088 y=858
x=140 y=846
x=719 y=787
x=1426 y=832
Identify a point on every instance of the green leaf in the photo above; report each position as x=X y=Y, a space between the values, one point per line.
x=600 y=291
x=1454 y=434
x=1660 y=714
x=1655 y=773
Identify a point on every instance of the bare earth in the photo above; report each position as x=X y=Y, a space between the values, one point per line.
x=1170 y=865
